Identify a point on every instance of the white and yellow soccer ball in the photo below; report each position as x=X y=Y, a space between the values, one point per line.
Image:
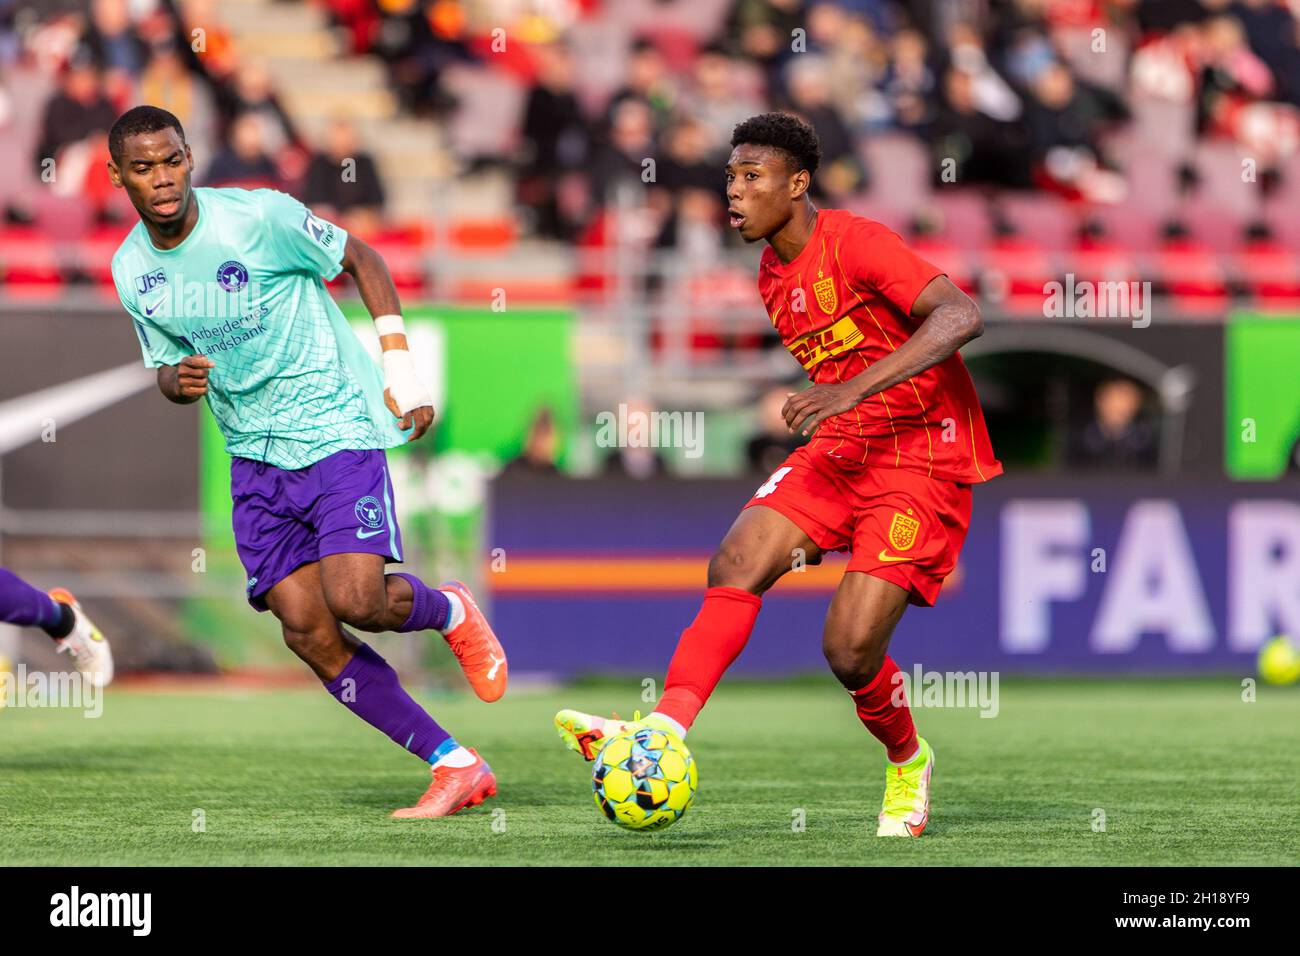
x=645 y=779
x=1279 y=661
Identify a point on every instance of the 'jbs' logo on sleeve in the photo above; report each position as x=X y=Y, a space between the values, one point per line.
x=815 y=347
x=149 y=281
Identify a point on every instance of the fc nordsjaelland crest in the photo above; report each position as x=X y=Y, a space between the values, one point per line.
x=824 y=290
x=902 y=530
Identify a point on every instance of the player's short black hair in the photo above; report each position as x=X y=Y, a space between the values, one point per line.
x=785 y=132
x=137 y=120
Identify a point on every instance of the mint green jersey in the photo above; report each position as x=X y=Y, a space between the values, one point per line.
x=292 y=383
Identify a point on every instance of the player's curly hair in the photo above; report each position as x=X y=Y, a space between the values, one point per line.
x=137 y=120
x=785 y=132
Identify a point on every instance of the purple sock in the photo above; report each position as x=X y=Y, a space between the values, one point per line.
x=370 y=689
x=20 y=603
x=430 y=608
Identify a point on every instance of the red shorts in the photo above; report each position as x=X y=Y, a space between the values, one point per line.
x=899 y=525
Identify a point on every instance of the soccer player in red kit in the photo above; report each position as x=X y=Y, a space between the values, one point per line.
x=897 y=440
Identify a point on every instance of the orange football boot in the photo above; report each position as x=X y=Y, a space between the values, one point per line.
x=453 y=788
x=481 y=655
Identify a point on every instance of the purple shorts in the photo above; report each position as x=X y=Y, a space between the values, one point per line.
x=342 y=504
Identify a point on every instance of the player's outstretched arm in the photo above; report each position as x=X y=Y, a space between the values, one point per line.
x=950 y=319
x=187 y=382
x=404 y=394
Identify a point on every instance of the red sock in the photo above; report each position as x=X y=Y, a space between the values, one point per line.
x=882 y=708
x=706 y=649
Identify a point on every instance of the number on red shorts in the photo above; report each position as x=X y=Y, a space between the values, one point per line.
x=769 y=486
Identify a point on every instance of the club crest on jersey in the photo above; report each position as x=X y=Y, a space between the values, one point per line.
x=824 y=290
x=902 y=530
x=232 y=276
x=370 y=512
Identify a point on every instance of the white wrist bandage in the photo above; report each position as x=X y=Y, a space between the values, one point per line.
x=401 y=381
x=390 y=325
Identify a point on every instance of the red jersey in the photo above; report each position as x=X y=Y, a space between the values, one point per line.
x=843 y=303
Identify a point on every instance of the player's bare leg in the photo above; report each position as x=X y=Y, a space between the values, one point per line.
x=859 y=625
x=359 y=593
x=761 y=546
x=363 y=682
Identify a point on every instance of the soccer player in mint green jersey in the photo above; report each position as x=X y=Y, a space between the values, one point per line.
x=226 y=289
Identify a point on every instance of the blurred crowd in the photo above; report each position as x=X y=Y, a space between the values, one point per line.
x=108 y=55
x=1014 y=94
x=1017 y=94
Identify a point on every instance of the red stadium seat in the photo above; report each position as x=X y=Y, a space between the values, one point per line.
x=951 y=258
x=963 y=217
x=94 y=254
x=1271 y=274
x=1193 y=276
x=1014 y=273
x=406 y=262
x=898 y=167
x=1044 y=219
x=483 y=235
x=403 y=234
x=29 y=263
x=1101 y=260
x=1214 y=226
x=1128 y=227
x=532 y=291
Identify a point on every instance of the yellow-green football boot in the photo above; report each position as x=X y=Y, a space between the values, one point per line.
x=588 y=733
x=906 y=809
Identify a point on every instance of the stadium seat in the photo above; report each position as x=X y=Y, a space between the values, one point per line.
x=963 y=216
x=1270 y=274
x=1223 y=185
x=1127 y=227
x=541 y=290
x=951 y=258
x=1103 y=261
x=1192 y=275
x=29 y=263
x=1217 y=227
x=898 y=166
x=1153 y=189
x=1013 y=273
x=1046 y=220
x=406 y=262
x=1280 y=208
x=483 y=235
x=93 y=255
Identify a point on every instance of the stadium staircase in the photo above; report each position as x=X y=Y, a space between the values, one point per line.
x=318 y=81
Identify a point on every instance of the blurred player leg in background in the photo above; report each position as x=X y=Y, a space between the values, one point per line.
x=59 y=615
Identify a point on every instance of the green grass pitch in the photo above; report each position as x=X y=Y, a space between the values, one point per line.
x=1184 y=770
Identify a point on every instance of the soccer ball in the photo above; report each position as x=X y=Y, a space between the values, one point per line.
x=644 y=780
x=1279 y=661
